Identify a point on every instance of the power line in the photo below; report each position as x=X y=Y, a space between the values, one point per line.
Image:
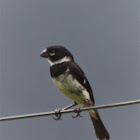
x=68 y=111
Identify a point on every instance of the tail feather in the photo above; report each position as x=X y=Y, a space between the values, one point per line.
x=100 y=130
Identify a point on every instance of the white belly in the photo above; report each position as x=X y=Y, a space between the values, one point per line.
x=71 y=88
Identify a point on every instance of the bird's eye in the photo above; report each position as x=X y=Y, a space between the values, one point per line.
x=52 y=53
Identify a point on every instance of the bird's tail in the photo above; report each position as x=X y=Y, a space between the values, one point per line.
x=100 y=130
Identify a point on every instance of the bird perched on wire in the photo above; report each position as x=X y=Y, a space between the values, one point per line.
x=72 y=82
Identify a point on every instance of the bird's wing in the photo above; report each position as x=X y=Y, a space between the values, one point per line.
x=77 y=72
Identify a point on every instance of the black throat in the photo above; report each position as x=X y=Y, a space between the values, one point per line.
x=58 y=69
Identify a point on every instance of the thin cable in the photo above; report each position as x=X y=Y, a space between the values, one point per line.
x=67 y=111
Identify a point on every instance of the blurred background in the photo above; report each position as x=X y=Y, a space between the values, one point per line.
x=102 y=35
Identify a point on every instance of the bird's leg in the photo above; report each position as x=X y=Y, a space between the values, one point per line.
x=57 y=114
x=70 y=106
x=58 y=111
x=77 y=110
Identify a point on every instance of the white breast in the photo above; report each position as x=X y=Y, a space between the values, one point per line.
x=71 y=88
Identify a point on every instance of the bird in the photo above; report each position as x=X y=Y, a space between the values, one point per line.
x=70 y=79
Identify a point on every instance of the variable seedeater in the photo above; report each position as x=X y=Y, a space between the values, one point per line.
x=72 y=82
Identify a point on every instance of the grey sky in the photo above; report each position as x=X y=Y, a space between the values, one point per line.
x=102 y=35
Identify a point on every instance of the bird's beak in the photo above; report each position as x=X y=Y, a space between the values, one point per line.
x=44 y=54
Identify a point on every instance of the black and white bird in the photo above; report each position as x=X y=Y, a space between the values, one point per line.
x=72 y=82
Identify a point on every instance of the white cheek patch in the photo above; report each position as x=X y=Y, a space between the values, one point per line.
x=65 y=59
x=52 y=54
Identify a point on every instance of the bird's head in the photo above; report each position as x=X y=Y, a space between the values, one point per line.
x=56 y=55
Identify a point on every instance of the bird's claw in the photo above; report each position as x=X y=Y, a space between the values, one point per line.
x=77 y=111
x=57 y=114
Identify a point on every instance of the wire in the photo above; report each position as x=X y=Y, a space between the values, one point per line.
x=67 y=111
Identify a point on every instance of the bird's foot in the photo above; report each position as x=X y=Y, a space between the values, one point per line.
x=77 y=111
x=57 y=114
